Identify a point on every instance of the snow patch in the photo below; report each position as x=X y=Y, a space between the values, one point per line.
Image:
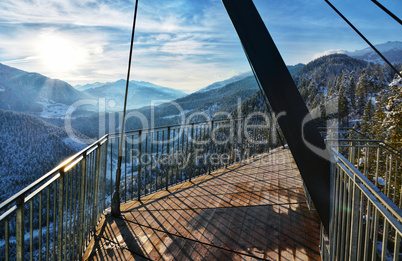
x=396 y=82
x=381 y=181
x=53 y=110
x=176 y=115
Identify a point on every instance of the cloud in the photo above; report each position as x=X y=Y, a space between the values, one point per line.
x=318 y=55
x=73 y=12
x=183 y=43
x=178 y=43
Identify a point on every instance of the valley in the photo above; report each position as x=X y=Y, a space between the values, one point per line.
x=36 y=134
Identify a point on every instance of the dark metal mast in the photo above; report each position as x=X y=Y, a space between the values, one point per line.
x=116 y=195
x=274 y=78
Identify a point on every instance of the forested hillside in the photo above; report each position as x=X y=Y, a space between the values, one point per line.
x=206 y=104
x=29 y=147
x=356 y=93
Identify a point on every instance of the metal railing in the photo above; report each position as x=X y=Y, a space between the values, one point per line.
x=379 y=162
x=155 y=159
x=365 y=223
x=56 y=216
x=52 y=218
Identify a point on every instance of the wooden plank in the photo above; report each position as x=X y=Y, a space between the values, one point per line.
x=252 y=211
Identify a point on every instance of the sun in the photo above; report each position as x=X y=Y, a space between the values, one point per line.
x=59 y=54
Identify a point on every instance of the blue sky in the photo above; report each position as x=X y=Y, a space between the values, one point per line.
x=184 y=44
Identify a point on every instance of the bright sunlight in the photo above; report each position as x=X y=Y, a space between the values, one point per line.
x=59 y=54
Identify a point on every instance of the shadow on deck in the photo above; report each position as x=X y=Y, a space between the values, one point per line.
x=253 y=210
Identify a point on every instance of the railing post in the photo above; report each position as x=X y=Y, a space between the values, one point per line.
x=95 y=196
x=191 y=151
x=388 y=180
x=7 y=238
x=81 y=205
x=242 y=143
x=210 y=147
x=352 y=153
x=139 y=165
x=168 y=155
x=231 y=141
x=152 y=156
x=334 y=211
x=354 y=227
x=116 y=194
x=60 y=216
x=19 y=234
x=377 y=166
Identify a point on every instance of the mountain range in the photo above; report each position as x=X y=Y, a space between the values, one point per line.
x=391 y=50
x=140 y=93
x=39 y=95
x=29 y=92
x=30 y=145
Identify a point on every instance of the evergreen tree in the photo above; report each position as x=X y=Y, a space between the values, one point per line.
x=366 y=123
x=393 y=120
x=343 y=108
x=378 y=120
x=362 y=93
x=351 y=91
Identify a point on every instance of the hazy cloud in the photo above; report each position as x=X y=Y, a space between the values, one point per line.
x=183 y=43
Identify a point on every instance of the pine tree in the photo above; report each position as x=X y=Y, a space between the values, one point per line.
x=343 y=108
x=378 y=120
x=351 y=91
x=393 y=120
x=362 y=93
x=366 y=123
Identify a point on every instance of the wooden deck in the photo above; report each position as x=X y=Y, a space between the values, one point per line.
x=253 y=210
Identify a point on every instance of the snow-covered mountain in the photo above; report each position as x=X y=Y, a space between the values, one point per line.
x=220 y=84
x=140 y=93
x=292 y=69
x=392 y=50
x=34 y=93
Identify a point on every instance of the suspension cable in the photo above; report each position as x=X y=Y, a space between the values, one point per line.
x=364 y=38
x=116 y=195
x=387 y=11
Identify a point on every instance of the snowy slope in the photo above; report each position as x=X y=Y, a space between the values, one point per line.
x=29 y=147
x=391 y=50
x=32 y=92
x=140 y=93
x=220 y=84
x=292 y=69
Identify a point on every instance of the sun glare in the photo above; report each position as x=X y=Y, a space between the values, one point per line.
x=60 y=54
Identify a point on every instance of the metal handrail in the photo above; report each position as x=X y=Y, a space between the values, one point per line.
x=360 y=213
x=376 y=161
x=351 y=130
x=58 y=186
x=73 y=195
x=56 y=169
x=356 y=174
x=188 y=124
